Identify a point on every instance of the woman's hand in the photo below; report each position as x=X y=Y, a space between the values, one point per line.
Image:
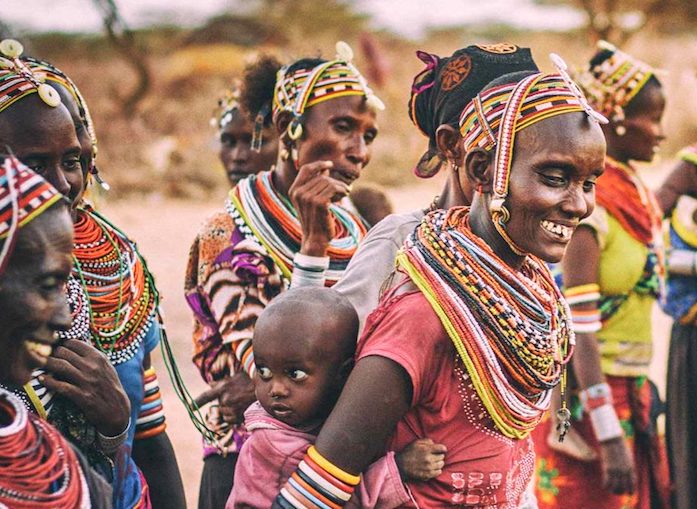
x=234 y=394
x=85 y=376
x=312 y=192
x=421 y=460
x=619 y=473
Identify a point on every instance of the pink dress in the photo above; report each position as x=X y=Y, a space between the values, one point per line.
x=273 y=452
x=483 y=468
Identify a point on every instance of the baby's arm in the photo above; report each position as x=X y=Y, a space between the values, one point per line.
x=382 y=483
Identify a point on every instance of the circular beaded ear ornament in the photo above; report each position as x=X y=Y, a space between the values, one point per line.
x=11 y=50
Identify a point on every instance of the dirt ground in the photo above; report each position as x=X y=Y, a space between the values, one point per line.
x=164 y=230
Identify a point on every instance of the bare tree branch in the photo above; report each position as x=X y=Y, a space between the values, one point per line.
x=122 y=38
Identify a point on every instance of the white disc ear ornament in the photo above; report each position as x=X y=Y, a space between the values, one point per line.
x=295 y=131
x=344 y=51
x=11 y=48
x=374 y=103
x=49 y=95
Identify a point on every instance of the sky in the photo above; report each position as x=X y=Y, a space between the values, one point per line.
x=413 y=15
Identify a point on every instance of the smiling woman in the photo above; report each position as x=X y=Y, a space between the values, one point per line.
x=38 y=467
x=467 y=347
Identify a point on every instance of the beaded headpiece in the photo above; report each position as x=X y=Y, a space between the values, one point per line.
x=24 y=195
x=493 y=118
x=614 y=81
x=298 y=90
x=443 y=88
x=228 y=106
x=18 y=81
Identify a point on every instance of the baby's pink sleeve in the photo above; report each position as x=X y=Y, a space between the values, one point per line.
x=381 y=486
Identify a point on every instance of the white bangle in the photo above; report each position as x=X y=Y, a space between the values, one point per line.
x=606 y=425
x=312 y=262
x=308 y=270
x=109 y=445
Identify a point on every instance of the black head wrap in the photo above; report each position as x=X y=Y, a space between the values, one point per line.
x=443 y=89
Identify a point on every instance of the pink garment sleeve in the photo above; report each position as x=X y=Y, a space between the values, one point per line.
x=406 y=330
x=266 y=461
x=381 y=486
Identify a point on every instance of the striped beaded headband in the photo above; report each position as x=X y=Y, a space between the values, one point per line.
x=613 y=83
x=24 y=195
x=295 y=92
x=493 y=118
x=18 y=81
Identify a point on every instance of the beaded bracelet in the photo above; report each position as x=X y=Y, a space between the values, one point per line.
x=308 y=270
x=595 y=396
x=317 y=483
x=585 y=321
x=606 y=425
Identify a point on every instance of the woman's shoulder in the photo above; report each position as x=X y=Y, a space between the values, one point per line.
x=402 y=316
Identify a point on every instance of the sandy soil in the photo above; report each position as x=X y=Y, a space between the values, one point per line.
x=164 y=230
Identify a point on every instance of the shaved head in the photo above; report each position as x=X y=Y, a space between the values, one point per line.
x=320 y=320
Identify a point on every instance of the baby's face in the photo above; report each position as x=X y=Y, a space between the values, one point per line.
x=294 y=383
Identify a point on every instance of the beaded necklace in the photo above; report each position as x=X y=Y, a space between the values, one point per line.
x=511 y=329
x=122 y=298
x=37 y=466
x=270 y=219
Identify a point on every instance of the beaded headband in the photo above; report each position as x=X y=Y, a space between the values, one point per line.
x=24 y=195
x=301 y=89
x=615 y=81
x=493 y=118
x=18 y=81
x=227 y=106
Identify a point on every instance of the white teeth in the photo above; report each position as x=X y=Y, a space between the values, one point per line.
x=558 y=229
x=42 y=349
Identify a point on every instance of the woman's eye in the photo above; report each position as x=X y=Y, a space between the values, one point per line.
x=72 y=164
x=52 y=283
x=297 y=374
x=342 y=127
x=264 y=372
x=227 y=141
x=370 y=137
x=554 y=180
x=589 y=185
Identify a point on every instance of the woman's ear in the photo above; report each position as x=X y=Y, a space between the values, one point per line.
x=281 y=123
x=479 y=169
x=449 y=143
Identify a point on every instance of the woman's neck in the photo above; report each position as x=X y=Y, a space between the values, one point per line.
x=483 y=226
x=283 y=175
x=617 y=156
x=451 y=195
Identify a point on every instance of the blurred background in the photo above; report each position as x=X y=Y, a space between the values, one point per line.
x=152 y=71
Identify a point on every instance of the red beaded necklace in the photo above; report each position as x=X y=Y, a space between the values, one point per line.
x=38 y=468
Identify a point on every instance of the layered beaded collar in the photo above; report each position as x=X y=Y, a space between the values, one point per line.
x=511 y=329
x=121 y=298
x=269 y=219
